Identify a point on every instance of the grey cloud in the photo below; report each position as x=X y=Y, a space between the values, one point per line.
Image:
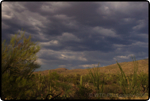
x=78 y=34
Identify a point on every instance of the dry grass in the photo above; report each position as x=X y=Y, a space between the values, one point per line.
x=108 y=72
x=111 y=69
x=67 y=81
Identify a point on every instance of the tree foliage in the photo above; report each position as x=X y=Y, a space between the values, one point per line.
x=18 y=63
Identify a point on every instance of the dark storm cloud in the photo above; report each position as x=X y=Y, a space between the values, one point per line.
x=79 y=34
x=84 y=12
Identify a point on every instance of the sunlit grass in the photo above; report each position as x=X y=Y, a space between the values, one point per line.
x=95 y=76
x=130 y=85
x=80 y=86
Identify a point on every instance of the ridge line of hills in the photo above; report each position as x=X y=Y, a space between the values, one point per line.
x=128 y=68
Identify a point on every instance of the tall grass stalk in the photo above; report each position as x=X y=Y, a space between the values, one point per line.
x=134 y=83
x=81 y=81
x=123 y=81
x=95 y=76
x=129 y=86
x=39 y=87
x=49 y=83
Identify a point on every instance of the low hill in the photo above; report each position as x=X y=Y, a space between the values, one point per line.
x=128 y=68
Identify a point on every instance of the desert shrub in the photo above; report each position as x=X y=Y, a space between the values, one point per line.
x=77 y=76
x=17 y=67
x=71 y=78
x=143 y=79
x=16 y=84
x=67 y=78
x=62 y=78
x=82 y=92
x=55 y=76
x=75 y=81
x=66 y=89
x=86 y=78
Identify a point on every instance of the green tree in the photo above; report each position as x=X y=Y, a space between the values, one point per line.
x=18 y=64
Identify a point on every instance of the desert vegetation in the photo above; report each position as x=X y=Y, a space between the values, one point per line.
x=19 y=81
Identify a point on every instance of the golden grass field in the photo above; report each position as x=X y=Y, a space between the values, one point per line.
x=111 y=69
x=79 y=84
x=128 y=68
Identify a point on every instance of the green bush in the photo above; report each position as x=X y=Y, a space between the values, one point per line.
x=17 y=67
x=55 y=75
x=16 y=84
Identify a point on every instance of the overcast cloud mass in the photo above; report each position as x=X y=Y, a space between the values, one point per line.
x=80 y=34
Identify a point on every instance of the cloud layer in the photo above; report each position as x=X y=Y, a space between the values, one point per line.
x=80 y=34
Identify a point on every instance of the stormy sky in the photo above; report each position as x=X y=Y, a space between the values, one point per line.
x=76 y=35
